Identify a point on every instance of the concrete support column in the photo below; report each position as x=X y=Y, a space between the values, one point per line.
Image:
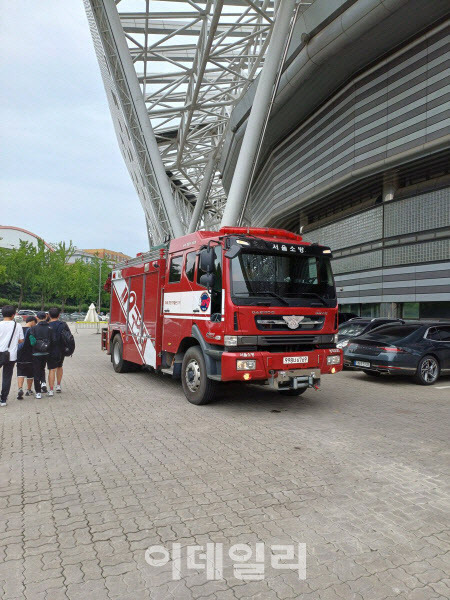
x=203 y=193
x=243 y=172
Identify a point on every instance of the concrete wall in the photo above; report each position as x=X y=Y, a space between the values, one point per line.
x=397 y=112
x=396 y=252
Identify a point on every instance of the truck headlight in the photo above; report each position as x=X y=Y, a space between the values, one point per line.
x=246 y=365
x=230 y=340
x=335 y=338
x=335 y=359
x=342 y=344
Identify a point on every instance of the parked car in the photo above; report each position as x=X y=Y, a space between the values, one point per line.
x=419 y=349
x=77 y=316
x=344 y=316
x=21 y=315
x=360 y=326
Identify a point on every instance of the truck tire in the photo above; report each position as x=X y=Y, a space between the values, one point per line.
x=119 y=364
x=292 y=392
x=428 y=370
x=197 y=388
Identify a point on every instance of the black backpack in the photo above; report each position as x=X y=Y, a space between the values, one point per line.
x=42 y=345
x=67 y=341
x=44 y=338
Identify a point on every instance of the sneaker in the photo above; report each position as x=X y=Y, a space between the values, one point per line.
x=38 y=396
x=28 y=393
x=3 y=403
x=50 y=392
x=44 y=387
x=58 y=389
x=20 y=394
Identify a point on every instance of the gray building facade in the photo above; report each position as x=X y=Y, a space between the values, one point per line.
x=367 y=170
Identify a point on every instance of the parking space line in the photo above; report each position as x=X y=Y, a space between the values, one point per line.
x=442 y=387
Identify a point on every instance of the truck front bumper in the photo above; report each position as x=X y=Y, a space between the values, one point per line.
x=283 y=370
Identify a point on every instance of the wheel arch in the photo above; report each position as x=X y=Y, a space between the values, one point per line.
x=432 y=353
x=184 y=346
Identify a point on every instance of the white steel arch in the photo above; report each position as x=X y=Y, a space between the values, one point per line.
x=191 y=62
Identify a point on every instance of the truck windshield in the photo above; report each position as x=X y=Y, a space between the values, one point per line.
x=282 y=279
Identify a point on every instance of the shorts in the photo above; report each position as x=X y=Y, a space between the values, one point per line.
x=55 y=362
x=25 y=369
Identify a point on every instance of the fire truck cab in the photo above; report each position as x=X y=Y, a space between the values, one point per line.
x=243 y=304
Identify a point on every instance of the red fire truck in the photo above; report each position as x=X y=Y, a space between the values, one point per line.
x=253 y=305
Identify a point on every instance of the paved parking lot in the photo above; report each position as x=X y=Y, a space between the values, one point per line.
x=89 y=480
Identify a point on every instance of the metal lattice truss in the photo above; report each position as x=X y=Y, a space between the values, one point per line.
x=193 y=62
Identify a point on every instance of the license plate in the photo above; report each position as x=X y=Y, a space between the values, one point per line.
x=295 y=360
x=362 y=363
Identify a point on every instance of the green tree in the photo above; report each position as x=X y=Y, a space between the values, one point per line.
x=99 y=274
x=80 y=282
x=44 y=280
x=60 y=272
x=21 y=268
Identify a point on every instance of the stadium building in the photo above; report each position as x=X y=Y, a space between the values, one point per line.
x=356 y=151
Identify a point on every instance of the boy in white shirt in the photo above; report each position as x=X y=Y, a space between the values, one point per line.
x=10 y=337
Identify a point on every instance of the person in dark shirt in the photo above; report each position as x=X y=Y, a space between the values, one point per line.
x=56 y=360
x=25 y=360
x=41 y=340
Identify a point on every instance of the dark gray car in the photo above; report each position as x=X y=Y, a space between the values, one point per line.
x=418 y=349
x=360 y=326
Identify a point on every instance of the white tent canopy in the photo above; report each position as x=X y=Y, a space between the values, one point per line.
x=91 y=316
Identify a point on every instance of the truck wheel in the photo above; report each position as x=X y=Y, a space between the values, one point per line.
x=197 y=388
x=427 y=370
x=292 y=392
x=119 y=364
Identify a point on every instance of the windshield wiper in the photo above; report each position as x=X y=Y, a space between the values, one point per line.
x=269 y=293
x=313 y=295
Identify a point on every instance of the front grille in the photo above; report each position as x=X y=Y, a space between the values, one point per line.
x=277 y=323
x=361 y=349
x=300 y=340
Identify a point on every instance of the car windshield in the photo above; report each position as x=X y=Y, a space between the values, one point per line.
x=282 y=279
x=352 y=329
x=392 y=333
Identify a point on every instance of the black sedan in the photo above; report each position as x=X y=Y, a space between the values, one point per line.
x=360 y=326
x=418 y=349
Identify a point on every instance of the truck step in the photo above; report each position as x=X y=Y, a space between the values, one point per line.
x=167 y=371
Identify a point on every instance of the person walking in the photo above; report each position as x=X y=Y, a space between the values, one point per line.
x=61 y=332
x=41 y=340
x=10 y=337
x=25 y=360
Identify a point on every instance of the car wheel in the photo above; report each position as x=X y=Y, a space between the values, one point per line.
x=372 y=373
x=197 y=387
x=292 y=392
x=119 y=364
x=427 y=370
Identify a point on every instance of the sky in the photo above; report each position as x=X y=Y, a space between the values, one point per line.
x=62 y=175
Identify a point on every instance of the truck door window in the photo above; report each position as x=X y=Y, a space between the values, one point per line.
x=190 y=265
x=216 y=292
x=175 y=269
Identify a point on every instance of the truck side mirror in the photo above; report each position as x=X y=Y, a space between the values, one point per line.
x=233 y=251
x=206 y=262
x=208 y=280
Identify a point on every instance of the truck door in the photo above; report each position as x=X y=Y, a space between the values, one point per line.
x=151 y=330
x=214 y=324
